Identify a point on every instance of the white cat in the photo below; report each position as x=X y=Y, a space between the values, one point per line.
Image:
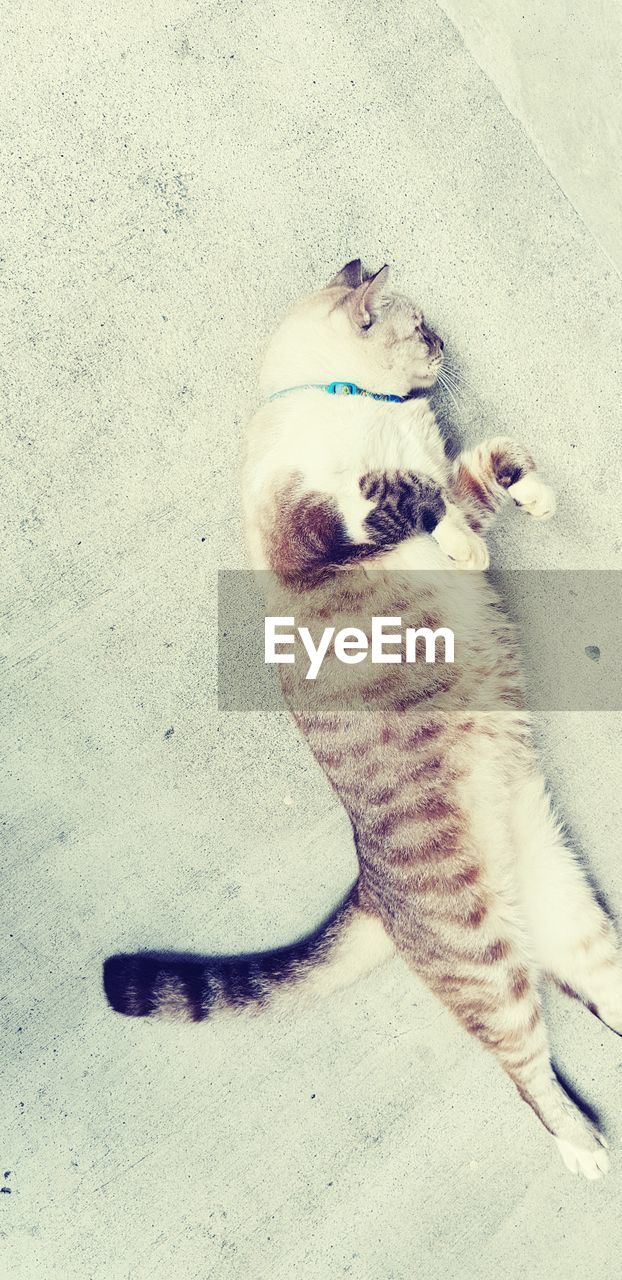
x=463 y=866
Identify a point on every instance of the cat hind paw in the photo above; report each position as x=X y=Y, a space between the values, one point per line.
x=592 y=1162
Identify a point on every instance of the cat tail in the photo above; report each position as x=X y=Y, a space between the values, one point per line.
x=348 y=945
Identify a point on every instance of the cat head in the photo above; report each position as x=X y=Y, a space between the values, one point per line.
x=354 y=329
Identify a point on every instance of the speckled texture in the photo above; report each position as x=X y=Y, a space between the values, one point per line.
x=175 y=174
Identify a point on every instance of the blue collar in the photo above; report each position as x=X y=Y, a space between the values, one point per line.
x=339 y=389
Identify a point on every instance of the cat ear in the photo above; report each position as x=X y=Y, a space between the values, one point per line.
x=362 y=302
x=351 y=275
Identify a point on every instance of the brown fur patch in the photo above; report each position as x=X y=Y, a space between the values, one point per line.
x=470 y=487
x=423 y=733
x=306 y=536
x=476 y=915
x=496 y=951
x=519 y=983
x=332 y=759
x=506 y=467
x=436 y=806
x=467 y=876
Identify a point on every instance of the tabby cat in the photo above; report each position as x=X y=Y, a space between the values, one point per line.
x=464 y=868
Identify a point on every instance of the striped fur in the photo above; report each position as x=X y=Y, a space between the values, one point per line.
x=463 y=866
x=190 y=987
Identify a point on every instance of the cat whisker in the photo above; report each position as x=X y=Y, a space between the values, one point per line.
x=448 y=388
x=449 y=382
x=449 y=369
x=458 y=377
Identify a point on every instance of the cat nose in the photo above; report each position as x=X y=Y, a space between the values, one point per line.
x=441 y=344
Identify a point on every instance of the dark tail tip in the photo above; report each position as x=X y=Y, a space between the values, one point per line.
x=129 y=983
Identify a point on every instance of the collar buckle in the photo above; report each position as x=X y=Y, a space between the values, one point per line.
x=342 y=389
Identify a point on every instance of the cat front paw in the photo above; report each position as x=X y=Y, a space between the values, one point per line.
x=534 y=496
x=460 y=543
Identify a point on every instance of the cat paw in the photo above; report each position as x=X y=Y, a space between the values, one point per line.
x=592 y=1162
x=534 y=496
x=461 y=544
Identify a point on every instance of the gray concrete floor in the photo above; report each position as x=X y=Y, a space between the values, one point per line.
x=176 y=173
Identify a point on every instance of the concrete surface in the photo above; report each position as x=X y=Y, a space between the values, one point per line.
x=175 y=173
x=558 y=67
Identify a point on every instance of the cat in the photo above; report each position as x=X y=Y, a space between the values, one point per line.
x=464 y=869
